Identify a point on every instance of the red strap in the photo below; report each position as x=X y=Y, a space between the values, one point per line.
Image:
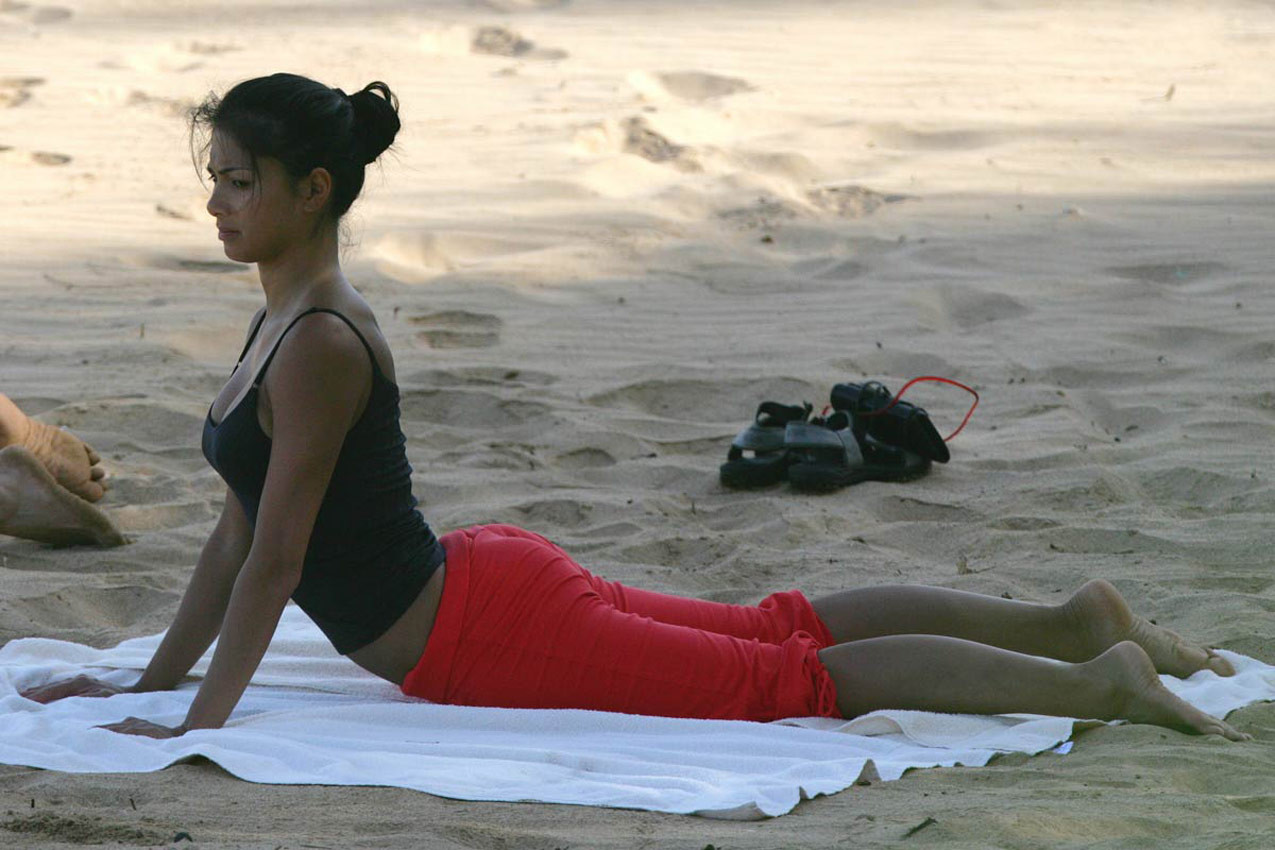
x=899 y=395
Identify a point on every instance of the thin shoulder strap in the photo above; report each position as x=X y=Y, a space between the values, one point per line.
x=261 y=321
x=262 y=372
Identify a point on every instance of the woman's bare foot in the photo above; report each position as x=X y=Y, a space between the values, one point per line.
x=1138 y=695
x=72 y=462
x=34 y=506
x=1102 y=615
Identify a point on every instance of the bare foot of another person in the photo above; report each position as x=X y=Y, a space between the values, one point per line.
x=1105 y=617
x=1140 y=697
x=72 y=463
x=34 y=506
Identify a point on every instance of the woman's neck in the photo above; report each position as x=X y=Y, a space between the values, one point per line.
x=291 y=278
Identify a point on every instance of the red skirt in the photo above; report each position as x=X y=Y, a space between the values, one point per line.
x=522 y=625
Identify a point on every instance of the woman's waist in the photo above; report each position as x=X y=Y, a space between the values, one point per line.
x=396 y=652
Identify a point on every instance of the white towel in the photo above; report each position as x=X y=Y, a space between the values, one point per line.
x=311 y=716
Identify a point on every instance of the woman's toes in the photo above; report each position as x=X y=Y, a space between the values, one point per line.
x=1190 y=659
x=1219 y=665
x=1170 y=653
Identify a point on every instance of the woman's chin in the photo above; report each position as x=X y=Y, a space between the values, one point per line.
x=233 y=254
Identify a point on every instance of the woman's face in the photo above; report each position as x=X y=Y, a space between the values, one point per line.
x=258 y=216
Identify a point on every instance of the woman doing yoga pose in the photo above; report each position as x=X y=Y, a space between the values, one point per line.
x=319 y=509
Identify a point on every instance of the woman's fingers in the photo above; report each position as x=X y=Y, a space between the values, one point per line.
x=80 y=686
x=47 y=693
x=138 y=726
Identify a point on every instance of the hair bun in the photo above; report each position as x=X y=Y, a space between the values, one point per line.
x=375 y=120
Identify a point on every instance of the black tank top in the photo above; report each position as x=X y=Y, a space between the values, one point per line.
x=371 y=552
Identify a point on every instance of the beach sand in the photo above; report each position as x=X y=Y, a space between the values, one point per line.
x=608 y=230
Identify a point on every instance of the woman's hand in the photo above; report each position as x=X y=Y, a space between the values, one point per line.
x=138 y=726
x=80 y=686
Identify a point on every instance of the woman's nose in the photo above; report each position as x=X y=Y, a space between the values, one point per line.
x=215 y=206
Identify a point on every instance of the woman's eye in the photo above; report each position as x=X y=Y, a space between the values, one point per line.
x=241 y=184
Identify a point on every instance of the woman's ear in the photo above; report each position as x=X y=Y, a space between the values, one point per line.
x=315 y=190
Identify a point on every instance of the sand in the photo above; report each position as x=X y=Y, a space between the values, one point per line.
x=608 y=231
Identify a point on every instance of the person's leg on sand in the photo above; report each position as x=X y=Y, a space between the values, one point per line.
x=34 y=506
x=72 y=463
x=934 y=673
x=1089 y=623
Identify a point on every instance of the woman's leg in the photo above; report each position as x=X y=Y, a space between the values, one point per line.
x=1092 y=621
x=933 y=673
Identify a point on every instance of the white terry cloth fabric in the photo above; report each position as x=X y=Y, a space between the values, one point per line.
x=311 y=716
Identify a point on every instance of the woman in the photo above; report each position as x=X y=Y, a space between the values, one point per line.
x=319 y=509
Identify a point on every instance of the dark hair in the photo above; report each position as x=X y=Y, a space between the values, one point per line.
x=305 y=125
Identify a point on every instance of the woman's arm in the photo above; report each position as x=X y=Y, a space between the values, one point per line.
x=197 y=621
x=317 y=383
x=203 y=606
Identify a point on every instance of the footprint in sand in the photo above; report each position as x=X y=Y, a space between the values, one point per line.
x=47 y=158
x=207 y=48
x=15 y=91
x=415 y=256
x=640 y=140
x=169 y=212
x=1169 y=272
x=843 y=201
x=50 y=14
x=691 y=554
x=965 y=307
x=848 y=201
x=458 y=329
x=498 y=454
x=902 y=137
x=470 y=410
x=35 y=14
x=499 y=41
x=585 y=458
x=762 y=214
x=695 y=86
x=171 y=106
x=556 y=513
x=635 y=136
x=1198 y=491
